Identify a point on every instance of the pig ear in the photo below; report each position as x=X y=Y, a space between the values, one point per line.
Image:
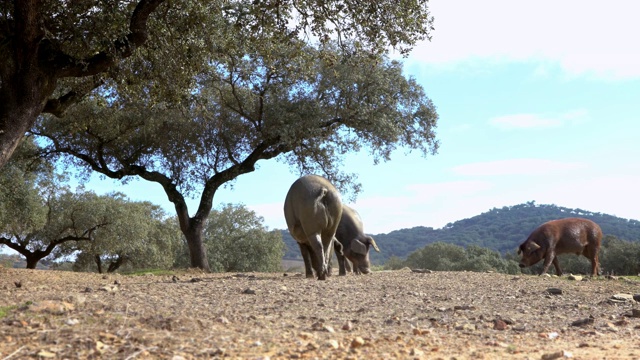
x=373 y=243
x=358 y=247
x=531 y=246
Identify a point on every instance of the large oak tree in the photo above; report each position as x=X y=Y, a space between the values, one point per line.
x=54 y=52
x=307 y=106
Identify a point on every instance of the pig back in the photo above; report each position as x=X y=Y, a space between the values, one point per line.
x=314 y=205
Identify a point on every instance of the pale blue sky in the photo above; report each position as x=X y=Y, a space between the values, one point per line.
x=537 y=101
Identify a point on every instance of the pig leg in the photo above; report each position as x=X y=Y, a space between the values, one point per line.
x=318 y=256
x=306 y=256
x=340 y=256
x=556 y=264
x=548 y=259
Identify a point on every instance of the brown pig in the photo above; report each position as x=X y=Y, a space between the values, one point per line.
x=565 y=236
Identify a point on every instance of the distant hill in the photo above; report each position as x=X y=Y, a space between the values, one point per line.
x=497 y=229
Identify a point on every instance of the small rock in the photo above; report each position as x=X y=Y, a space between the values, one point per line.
x=249 y=291
x=117 y=282
x=175 y=278
x=583 y=322
x=222 y=320
x=305 y=335
x=18 y=284
x=72 y=322
x=545 y=275
x=611 y=277
x=557 y=355
x=422 y=271
x=499 y=324
x=87 y=290
x=623 y=297
x=575 y=277
x=333 y=344
x=328 y=329
x=554 y=291
x=635 y=313
x=195 y=279
x=357 y=342
x=636 y=297
x=416 y=352
x=464 y=307
x=348 y=326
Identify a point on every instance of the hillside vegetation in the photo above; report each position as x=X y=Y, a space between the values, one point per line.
x=500 y=230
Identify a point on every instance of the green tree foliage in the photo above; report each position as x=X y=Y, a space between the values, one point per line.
x=237 y=240
x=448 y=257
x=38 y=212
x=308 y=106
x=620 y=257
x=56 y=52
x=139 y=236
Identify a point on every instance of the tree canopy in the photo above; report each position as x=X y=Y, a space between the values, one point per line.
x=305 y=105
x=54 y=53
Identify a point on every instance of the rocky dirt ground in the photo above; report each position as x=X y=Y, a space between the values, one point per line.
x=385 y=315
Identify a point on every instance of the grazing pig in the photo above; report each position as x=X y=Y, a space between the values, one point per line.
x=564 y=236
x=312 y=210
x=352 y=243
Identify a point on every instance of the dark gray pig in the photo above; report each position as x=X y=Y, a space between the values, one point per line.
x=352 y=243
x=313 y=209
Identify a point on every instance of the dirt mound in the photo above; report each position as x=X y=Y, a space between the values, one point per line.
x=384 y=315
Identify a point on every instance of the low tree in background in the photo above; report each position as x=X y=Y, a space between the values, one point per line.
x=441 y=256
x=39 y=212
x=139 y=236
x=620 y=257
x=236 y=240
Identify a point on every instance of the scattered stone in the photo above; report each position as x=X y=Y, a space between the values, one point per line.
x=416 y=352
x=195 y=279
x=222 y=320
x=611 y=277
x=636 y=297
x=18 y=284
x=583 y=322
x=464 y=307
x=357 y=342
x=623 y=297
x=175 y=278
x=249 y=291
x=635 y=313
x=285 y=274
x=72 y=322
x=109 y=288
x=574 y=277
x=348 y=326
x=554 y=291
x=305 y=335
x=545 y=275
x=499 y=324
x=334 y=344
x=87 y=290
x=557 y=355
x=422 y=271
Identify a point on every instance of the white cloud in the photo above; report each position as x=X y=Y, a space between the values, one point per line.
x=582 y=37
x=536 y=121
x=517 y=167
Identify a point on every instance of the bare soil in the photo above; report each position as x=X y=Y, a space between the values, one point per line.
x=385 y=315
